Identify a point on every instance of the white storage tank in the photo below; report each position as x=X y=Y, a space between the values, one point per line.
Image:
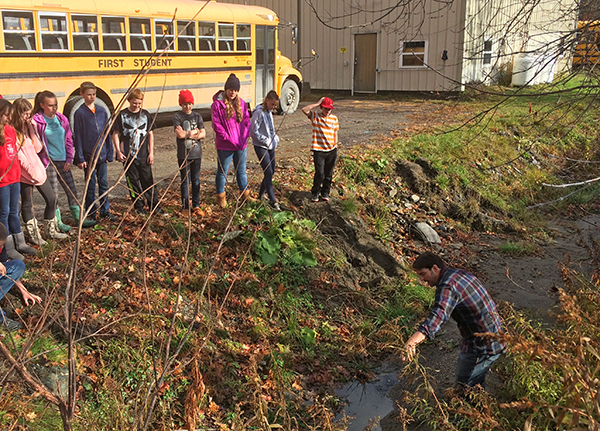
x=523 y=69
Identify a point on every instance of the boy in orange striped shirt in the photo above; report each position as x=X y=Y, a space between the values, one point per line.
x=325 y=128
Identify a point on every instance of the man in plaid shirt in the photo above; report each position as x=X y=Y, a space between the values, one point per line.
x=460 y=295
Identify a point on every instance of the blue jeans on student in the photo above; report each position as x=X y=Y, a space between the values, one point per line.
x=99 y=174
x=472 y=368
x=239 y=164
x=10 y=195
x=14 y=271
x=189 y=170
x=267 y=163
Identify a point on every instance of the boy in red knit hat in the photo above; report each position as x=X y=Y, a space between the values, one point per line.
x=190 y=133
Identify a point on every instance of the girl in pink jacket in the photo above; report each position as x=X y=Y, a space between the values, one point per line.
x=231 y=123
x=33 y=174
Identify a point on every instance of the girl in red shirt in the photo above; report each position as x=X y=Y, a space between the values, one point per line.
x=10 y=186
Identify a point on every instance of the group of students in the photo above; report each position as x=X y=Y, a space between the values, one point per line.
x=38 y=147
x=233 y=125
x=36 y=151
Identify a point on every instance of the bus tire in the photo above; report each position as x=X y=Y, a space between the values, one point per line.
x=289 y=97
x=74 y=103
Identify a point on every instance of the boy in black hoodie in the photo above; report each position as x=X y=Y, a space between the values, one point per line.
x=89 y=123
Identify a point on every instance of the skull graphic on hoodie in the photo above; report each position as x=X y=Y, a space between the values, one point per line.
x=134 y=128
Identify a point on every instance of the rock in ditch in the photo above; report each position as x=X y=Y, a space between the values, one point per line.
x=426 y=233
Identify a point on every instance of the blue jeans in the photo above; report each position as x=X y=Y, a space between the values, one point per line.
x=267 y=163
x=10 y=195
x=472 y=368
x=189 y=170
x=101 y=175
x=239 y=164
x=14 y=271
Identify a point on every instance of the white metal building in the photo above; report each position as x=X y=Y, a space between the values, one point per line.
x=421 y=45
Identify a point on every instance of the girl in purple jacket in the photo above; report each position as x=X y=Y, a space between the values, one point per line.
x=54 y=131
x=231 y=122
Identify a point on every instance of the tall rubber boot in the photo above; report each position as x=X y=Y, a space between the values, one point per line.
x=76 y=213
x=11 y=251
x=21 y=246
x=59 y=224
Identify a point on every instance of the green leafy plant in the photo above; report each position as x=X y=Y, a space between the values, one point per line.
x=289 y=238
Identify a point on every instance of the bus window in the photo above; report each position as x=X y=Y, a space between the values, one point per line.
x=243 y=37
x=85 y=32
x=225 y=37
x=19 y=34
x=206 y=33
x=113 y=33
x=139 y=34
x=186 y=41
x=163 y=31
x=53 y=28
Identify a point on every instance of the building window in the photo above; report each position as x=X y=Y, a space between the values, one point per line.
x=19 y=34
x=487 y=52
x=414 y=54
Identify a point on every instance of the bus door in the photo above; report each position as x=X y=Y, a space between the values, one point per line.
x=265 y=62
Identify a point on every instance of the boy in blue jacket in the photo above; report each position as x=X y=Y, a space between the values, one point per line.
x=88 y=128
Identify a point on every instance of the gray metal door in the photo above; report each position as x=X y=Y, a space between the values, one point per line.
x=365 y=62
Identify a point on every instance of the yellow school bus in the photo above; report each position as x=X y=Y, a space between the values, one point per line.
x=587 y=50
x=56 y=44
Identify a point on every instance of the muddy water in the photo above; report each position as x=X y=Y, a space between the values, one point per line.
x=367 y=402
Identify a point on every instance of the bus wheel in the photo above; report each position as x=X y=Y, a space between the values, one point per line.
x=73 y=103
x=289 y=97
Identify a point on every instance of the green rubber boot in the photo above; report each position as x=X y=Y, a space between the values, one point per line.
x=59 y=224
x=76 y=213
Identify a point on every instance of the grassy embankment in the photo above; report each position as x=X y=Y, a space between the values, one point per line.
x=255 y=331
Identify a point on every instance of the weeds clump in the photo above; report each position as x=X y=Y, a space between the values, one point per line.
x=520 y=248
